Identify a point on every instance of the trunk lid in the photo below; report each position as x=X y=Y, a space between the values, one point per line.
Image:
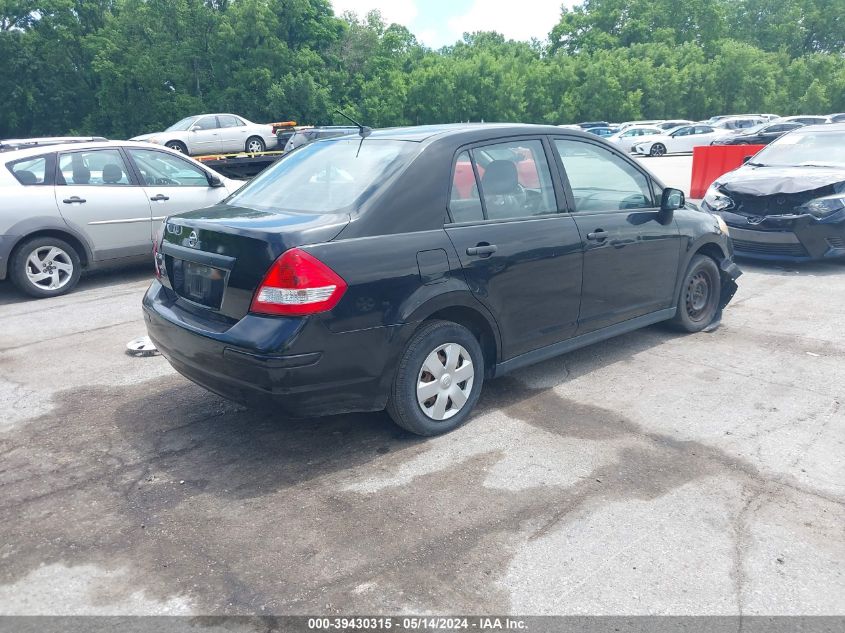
x=215 y=258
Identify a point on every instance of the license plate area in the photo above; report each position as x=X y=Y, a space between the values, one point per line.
x=199 y=283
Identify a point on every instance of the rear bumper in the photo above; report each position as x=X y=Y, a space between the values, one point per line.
x=797 y=239
x=296 y=364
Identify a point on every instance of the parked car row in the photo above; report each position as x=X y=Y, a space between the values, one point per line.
x=658 y=138
x=270 y=291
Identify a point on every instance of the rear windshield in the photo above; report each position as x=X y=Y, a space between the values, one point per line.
x=326 y=176
x=822 y=149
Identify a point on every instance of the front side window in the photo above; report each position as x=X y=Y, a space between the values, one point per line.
x=29 y=171
x=325 y=177
x=99 y=167
x=515 y=180
x=600 y=180
x=159 y=169
x=206 y=123
x=684 y=131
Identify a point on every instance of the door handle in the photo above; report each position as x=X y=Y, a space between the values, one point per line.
x=482 y=250
x=73 y=199
x=159 y=198
x=600 y=235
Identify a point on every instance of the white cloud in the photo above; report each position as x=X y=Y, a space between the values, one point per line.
x=399 y=11
x=518 y=21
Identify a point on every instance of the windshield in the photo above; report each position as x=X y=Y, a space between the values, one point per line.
x=182 y=125
x=326 y=176
x=804 y=148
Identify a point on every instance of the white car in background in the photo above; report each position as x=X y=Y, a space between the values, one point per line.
x=627 y=124
x=214 y=134
x=626 y=139
x=682 y=139
x=70 y=206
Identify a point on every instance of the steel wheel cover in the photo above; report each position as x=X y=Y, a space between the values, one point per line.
x=445 y=381
x=49 y=268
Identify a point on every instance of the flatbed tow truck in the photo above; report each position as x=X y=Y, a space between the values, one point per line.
x=246 y=165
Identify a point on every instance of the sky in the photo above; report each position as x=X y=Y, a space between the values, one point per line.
x=437 y=23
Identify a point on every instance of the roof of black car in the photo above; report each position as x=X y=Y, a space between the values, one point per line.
x=422 y=132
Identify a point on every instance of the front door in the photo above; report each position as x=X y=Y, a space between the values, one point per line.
x=630 y=258
x=172 y=184
x=96 y=193
x=520 y=255
x=204 y=136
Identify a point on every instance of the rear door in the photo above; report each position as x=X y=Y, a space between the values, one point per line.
x=631 y=259
x=97 y=193
x=172 y=184
x=521 y=254
x=233 y=133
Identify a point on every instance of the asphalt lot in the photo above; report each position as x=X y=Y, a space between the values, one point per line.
x=653 y=473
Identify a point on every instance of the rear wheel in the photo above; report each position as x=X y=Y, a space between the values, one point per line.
x=178 y=146
x=438 y=381
x=699 y=300
x=658 y=149
x=45 y=267
x=255 y=144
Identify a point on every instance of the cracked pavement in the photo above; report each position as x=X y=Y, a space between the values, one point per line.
x=651 y=474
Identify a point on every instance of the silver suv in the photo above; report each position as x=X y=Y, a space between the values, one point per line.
x=69 y=206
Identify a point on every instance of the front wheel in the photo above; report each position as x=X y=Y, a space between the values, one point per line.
x=699 y=300
x=658 y=149
x=177 y=146
x=255 y=145
x=438 y=381
x=45 y=267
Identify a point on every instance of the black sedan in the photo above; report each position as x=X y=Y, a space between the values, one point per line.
x=760 y=135
x=788 y=201
x=401 y=268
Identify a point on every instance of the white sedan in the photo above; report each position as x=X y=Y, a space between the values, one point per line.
x=682 y=139
x=626 y=139
x=214 y=134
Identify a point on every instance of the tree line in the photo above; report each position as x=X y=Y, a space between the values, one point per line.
x=124 y=67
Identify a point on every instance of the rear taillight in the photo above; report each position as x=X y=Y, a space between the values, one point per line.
x=298 y=284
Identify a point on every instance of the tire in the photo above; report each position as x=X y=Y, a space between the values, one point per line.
x=698 y=303
x=436 y=342
x=178 y=146
x=658 y=149
x=45 y=267
x=255 y=144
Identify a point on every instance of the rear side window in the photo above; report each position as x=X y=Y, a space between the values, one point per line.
x=601 y=181
x=227 y=120
x=29 y=171
x=99 y=167
x=464 y=201
x=515 y=180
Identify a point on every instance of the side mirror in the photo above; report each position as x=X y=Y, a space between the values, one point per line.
x=670 y=201
x=214 y=180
